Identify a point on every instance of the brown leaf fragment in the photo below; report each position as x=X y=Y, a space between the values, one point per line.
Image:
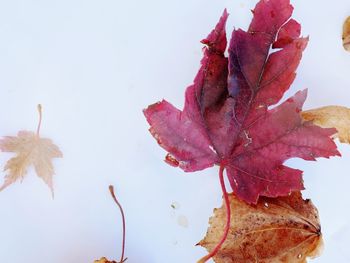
x=346 y=34
x=104 y=260
x=331 y=117
x=276 y=230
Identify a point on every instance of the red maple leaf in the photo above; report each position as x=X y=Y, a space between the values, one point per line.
x=227 y=119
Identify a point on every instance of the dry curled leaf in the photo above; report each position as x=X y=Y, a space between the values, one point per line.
x=346 y=34
x=284 y=229
x=30 y=149
x=331 y=117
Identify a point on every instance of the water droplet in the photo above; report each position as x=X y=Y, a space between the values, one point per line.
x=300 y=255
x=266 y=204
x=175 y=242
x=175 y=205
x=182 y=221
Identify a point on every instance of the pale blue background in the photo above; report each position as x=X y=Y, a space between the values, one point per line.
x=94 y=65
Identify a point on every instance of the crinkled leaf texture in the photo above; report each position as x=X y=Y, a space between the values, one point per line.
x=31 y=150
x=331 y=117
x=284 y=229
x=227 y=119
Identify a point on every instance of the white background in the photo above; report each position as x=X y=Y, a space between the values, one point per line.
x=94 y=65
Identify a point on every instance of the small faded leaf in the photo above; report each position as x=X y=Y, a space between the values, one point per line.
x=346 y=34
x=30 y=150
x=331 y=117
x=284 y=229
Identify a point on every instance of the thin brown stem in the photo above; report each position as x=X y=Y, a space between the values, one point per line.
x=111 y=189
x=228 y=218
x=40 y=118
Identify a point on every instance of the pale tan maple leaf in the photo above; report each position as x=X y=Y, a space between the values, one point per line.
x=331 y=117
x=30 y=149
x=275 y=230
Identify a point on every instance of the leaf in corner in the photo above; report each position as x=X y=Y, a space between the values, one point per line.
x=30 y=149
x=284 y=229
x=331 y=117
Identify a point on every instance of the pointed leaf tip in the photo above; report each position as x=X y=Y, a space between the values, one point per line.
x=216 y=40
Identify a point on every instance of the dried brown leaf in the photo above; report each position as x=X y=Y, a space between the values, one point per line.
x=346 y=34
x=104 y=260
x=284 y=229
x=331 y=117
